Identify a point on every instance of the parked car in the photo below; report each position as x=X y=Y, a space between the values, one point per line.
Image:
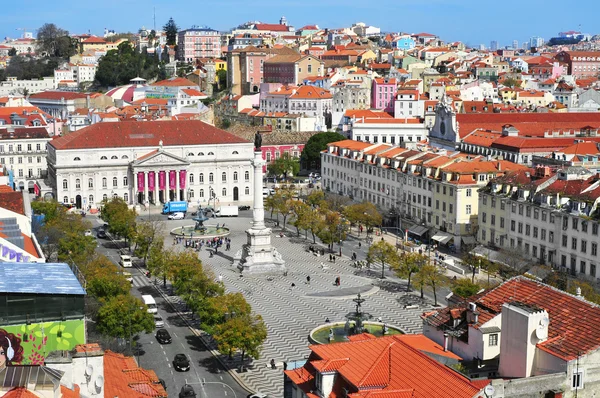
x=176 y=216
x=101 y=234
x=242 y=208
x=158 y=321
x=187 y=391
x=181 y=363
x=163 y=336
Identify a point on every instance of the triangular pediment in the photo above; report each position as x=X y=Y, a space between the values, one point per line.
x=160 y=158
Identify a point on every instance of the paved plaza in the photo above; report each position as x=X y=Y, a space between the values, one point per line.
x=291 y=312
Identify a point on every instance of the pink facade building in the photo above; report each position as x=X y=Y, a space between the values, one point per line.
x=581 y=63
x=198 y=43
x=271 y=152
x=383 y=94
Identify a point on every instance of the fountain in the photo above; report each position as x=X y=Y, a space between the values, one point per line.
x=357 y=322
x=199 y=230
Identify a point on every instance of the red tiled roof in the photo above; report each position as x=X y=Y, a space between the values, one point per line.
x=67 y=393
x=12 y=201
x=175 y=82
x=123 y=378
x=392 y=366
x=57 y=95
x=308 y=92
x=272 y=26
x=530 y=124
x=193 y=92
x=482 y=138
x=582 y=148
x=142 y=134
x=94 y=40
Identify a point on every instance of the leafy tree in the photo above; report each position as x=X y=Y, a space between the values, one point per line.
x=407 y=265
x=76 y=248
x=12 y=52
x=316 y=199
x=219 y=309
x=119 y=66
x=50 y=209
x=283 y=200
x=120 y=219
x=221 y=79
x=55 y=42
x=311 y=154
x=285 y=165
x=244 y=333
x=124 y=316
x=510 y=82
x=107 y=281
x=464 y=288
x=384 y=253
x=159 y=261
x=171 y=30
x=301 y=213
x=145 y=235
x=430 y=275
x=28 y=68
x=364 y=213
x=192 y=282
x=332 y=229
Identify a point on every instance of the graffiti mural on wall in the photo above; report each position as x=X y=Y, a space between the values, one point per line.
x=30 y=344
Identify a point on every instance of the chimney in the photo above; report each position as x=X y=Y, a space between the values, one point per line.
x=578 y=293
x=445 y=342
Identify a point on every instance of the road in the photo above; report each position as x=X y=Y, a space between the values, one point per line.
x=152 y=355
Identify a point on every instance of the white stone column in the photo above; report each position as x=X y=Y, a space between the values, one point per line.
x=177 y=185
x=145 y=187
x=135 y=187
x=258 y=220
x=156 y=188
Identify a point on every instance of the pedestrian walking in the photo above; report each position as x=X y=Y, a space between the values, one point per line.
x=327 y=320
x=334 y=259
x=308 y=280
x=337 y=281
x=220 y=278
x=293 y=284
x=359 y=244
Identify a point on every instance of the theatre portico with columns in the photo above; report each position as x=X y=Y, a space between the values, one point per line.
x=151 y=163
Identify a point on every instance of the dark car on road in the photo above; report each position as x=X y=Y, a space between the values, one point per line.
x=242 y=208
x=181 y=363
x=187 y=391
x=101 y=234
x=163 y=336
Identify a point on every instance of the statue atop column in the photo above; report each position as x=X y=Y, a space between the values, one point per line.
x=257 y=141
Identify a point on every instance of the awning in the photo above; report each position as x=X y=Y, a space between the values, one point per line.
x=468 y=240
x=442 y=237
x=418 y=230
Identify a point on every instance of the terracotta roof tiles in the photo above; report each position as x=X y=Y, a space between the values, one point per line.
x=142 y=134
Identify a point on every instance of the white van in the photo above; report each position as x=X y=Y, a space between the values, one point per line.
x=125 y=261
x=150 y=303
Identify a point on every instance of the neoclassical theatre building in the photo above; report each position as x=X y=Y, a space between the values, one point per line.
x=151 y=163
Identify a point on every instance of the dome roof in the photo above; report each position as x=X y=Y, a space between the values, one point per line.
x=125 y=93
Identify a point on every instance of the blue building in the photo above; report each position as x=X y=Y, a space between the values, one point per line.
x=405 y=43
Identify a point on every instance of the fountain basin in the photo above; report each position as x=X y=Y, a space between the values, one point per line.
x=207 y=232
x=320 y=334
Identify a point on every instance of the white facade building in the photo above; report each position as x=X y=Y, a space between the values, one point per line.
x=392 y=131
x=12 y=86
x=151 y=162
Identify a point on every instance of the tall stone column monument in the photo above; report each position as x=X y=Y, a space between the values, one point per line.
x=258 y=255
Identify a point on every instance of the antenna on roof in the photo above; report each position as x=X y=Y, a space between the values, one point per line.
x=155 y=18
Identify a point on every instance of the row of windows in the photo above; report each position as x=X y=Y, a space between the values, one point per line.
x=192 y=194
x=582 y=246
x=211 y=177
x=538 y=233
x=11 y=160
x=115 y=183
x=38 y=147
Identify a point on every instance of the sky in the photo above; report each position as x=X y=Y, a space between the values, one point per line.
x=453 y=20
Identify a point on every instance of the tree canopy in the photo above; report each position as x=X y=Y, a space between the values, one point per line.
x=27 y=67
x=285 y=165
x=364 y=213
x=171 y=30
x=311 y=154
x=124 y=316
x=120 y=219
x=53 y=41
x=384 y=253
x=119 y=66
x=244 y=333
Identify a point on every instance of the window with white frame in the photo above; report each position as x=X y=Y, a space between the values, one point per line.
x=65 y=185
x=493 y=340
x=577 y=379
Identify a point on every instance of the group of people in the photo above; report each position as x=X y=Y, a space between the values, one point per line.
x=198 y=244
